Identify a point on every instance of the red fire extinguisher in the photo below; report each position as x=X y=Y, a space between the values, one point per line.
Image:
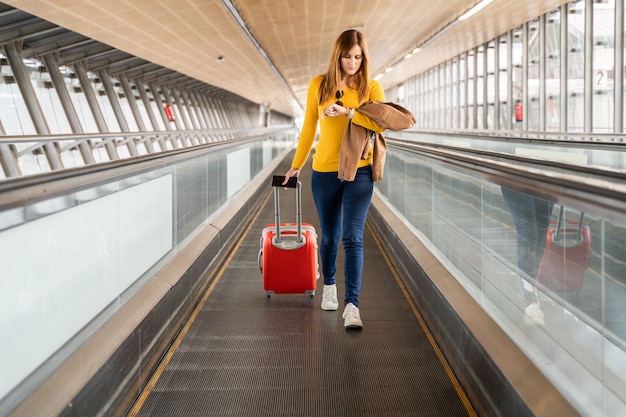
x=519 y=111
x=169 y=113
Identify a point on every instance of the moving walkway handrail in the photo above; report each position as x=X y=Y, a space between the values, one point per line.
x=581 y=169
x=126 y=135
x=585 y=187
x=13 y=148
x=10 y=189
x=573 y=139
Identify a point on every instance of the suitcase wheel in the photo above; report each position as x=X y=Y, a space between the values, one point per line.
x=311 y=293
x=269 y=293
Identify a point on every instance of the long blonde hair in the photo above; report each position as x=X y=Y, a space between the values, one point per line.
x=332 y=79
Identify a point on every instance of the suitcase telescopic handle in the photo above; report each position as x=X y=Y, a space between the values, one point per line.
x=561 y=220
x=277 y=182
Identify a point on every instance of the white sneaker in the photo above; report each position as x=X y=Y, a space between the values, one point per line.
x=533 y=315
x=352 y=319
x=329 y=297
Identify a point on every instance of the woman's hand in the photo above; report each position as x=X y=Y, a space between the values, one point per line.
x=293 y=172
x=335 y=110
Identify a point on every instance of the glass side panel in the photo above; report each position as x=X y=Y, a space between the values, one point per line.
x=607 y=155
x=71 y=258
x=551 y=276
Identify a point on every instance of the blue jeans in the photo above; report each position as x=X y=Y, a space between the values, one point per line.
x=531 y=216
x=342 y=208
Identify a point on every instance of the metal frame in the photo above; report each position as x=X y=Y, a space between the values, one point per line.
x=425 y=104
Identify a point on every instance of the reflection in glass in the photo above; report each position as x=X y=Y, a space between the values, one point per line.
x=531 y=217
x=511 y=250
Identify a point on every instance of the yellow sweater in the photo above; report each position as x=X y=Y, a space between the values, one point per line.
x=326 y=156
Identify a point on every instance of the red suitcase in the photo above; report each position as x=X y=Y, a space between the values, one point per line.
x=288 y=254
x=566 y=256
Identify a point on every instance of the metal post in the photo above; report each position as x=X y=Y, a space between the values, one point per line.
x=496 y=81
x=180 y=103
x=201 y=116
x=205 y=112
x=146 y=103
x=618 y=83
x=94 y=106
x=457 y=125
x=7 y=158
x=542 y=73
x=130 y=96
x=215 y=114
x=70 y=111
x=206 y=105
x=220 y=113
x=117 y=109
x=153 y=120
x=486 y=86
x=32 y=103
x=198 y=109
x=466 y=88
x=208 y=108
x=588 y=127
x=190 y=110
x=156 y=94
x=439 y=104
x=475 y=89
x=525 y=76
x=450 y=89
x=168 y=100
x=563 y=70
x=134 y=108
x=509 y=85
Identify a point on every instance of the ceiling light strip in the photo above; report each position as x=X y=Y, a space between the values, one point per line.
x=232 y=9
x=478 y=7
x=475 y=10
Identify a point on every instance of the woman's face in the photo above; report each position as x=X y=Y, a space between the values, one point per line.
x=351 y=60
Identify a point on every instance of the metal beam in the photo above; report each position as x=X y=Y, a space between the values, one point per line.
x=8 y=161
x=32 y=103
x=55 y=44
x=117 y=108
x=96 y=111
x=68 y=106
x=83 y=52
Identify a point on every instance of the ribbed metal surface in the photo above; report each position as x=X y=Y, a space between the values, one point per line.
x=249 y=355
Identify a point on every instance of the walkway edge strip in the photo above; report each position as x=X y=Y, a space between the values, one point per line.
x=446 y=366
x=179 y=338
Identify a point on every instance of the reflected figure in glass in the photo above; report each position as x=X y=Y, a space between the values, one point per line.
x=531 y=217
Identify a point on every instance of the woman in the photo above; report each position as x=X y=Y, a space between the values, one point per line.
x=341 y=205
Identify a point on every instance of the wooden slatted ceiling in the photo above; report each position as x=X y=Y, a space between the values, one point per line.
x=297 y=35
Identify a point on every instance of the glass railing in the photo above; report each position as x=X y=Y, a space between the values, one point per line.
x=542 y=249
x=22 y=156
x=594 y=150
x=73 y=249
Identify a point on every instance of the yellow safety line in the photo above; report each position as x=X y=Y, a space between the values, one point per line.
x=172 y=349
x=446 y=366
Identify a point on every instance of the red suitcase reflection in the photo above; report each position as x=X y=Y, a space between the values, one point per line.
x=566 y=256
